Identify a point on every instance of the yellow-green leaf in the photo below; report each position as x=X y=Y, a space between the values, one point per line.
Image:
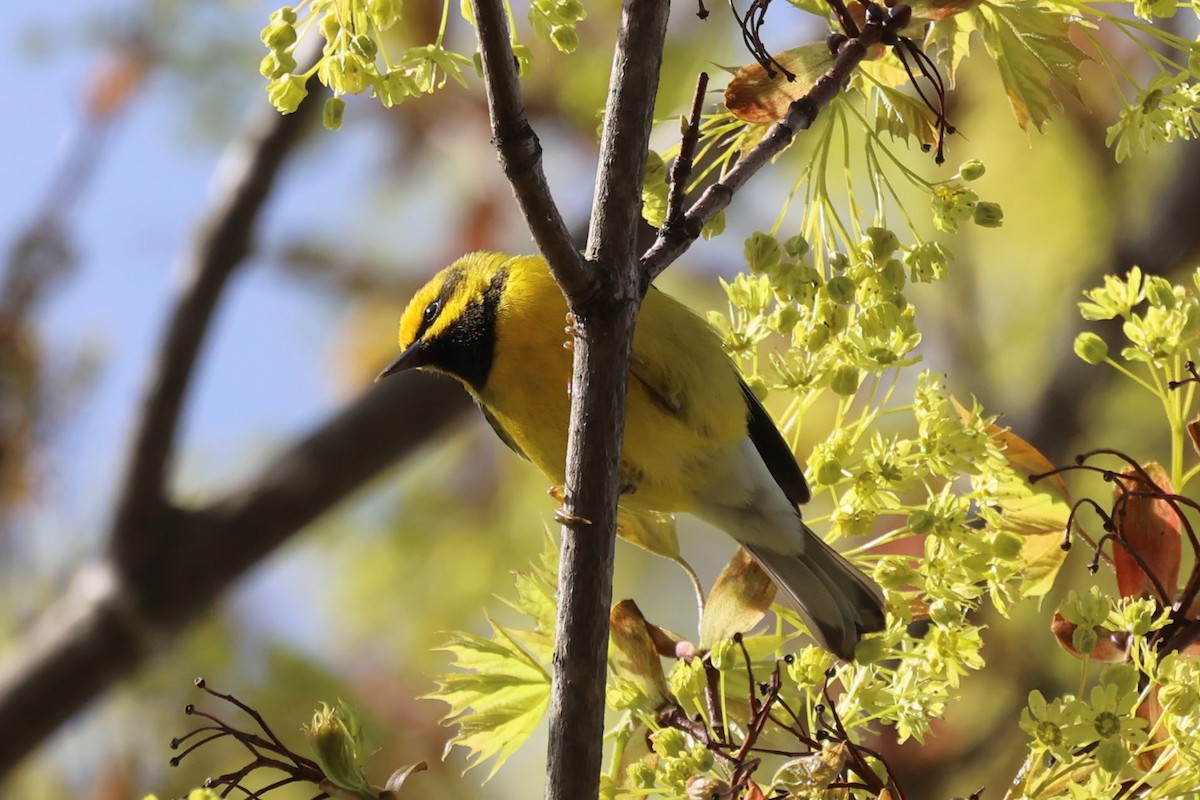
x=948 y=42
x=649 y=530
x=1042 y=556
x=498 y=699
x=740 y=598
x=1032 y=47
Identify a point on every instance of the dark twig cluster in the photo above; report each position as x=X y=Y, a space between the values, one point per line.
x=1135 y=484
x=266 y=749
x=770 y=712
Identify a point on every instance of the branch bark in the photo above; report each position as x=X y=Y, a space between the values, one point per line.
x=109 y=623
x=605 y=321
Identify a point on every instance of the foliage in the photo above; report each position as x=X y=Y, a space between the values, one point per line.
x=933 y=495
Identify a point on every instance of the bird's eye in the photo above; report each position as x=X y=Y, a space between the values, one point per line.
x=432 y=310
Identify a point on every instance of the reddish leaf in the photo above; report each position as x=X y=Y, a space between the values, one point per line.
x=1150 y=527
x=755 y=97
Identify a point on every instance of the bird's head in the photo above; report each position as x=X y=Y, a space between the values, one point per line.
x=450 y=324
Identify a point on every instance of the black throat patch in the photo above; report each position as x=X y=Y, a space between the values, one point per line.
x=466 y=348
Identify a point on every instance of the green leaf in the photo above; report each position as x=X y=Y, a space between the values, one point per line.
x=948 y=42
x=1032 y=47
x=649 y=530
x=502 y=687
x=904 y=116
x=499 y=698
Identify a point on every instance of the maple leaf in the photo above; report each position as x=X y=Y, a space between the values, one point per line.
x=1032 y=48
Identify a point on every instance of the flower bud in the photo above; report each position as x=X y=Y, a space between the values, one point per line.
x=882 y=243
x=286 y=92
x=335 y=108
x=988 y=215
x=844 y=380
x=336 y=748
x=796 y=246
x=971 y=170
x=1091 y=348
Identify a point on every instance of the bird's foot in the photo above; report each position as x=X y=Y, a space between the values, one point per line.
x=559 y=493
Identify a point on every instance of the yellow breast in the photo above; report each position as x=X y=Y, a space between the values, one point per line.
x=685 y=410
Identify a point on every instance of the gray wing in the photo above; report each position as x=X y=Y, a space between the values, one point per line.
x=775 y=452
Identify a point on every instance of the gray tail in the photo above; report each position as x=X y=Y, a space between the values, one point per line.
x=837 y=601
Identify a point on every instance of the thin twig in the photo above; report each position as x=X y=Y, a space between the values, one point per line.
x=681 y=170
x=674 y=242
x=520 y=151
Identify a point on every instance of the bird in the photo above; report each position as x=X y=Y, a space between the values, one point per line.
x=697 y=440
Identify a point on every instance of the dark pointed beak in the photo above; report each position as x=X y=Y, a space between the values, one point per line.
x=415 y=356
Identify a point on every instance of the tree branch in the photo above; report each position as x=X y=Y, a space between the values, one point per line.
x=674 y=240
x=166 y=565
x=108 y=624
x=605 y=320
x=520 y=151
x=245 y=176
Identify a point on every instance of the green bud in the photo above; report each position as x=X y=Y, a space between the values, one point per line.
x=758 y=386
x=971 y=170
x=762 y=252
x=641 y=775
x=895 y=572
x=841 y=290
x=784 y=319
x=1007 y=545
x=336 y=748
x=571 y=10
x=669 y=742
x=564 y=38
x=1084 y=639
x=921 y=521
x=330 y=27
x=286 y=92
x=276 y=63
x=364 y=47
x=881 y=243
x=796 y=246
x=988 y=215
x=869 y=650
x=278 y=35
x=844 y=380
x=833 y=316
x=892 y=275
x=944 y=614
x=1160 y=292
x=838 y=262
x=829 y=472
x=335 y=108
x=1091 y=348
x=384 y=13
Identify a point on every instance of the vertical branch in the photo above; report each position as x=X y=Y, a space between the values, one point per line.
x=604 y=335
